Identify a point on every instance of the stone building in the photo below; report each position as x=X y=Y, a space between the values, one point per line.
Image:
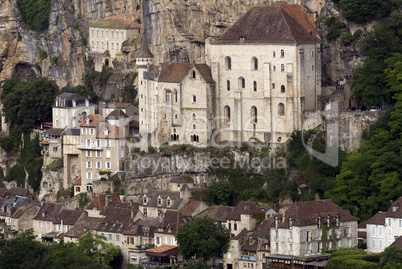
x=384 y=228
x=68 y=108
x=267 y=72
x=309 y=228
x=264 y=74
x=176 y=101
x=107 y=36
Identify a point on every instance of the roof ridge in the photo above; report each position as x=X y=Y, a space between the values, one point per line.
x=286 y=22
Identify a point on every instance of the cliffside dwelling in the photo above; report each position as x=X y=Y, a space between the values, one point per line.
x=265 y=74
x=106 y=39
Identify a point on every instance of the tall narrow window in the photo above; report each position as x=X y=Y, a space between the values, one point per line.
x=255 y=85
x=194 y=98
x=282 y=88
x=242 y=83
x=194 y=127
x=273 y=54
x=281 y=109
x=227 y=113
x=193 y=74
x=175 y=95
x=282 y=68
x=228 y=63
x=273 y=85
x=254 y=63
x=254 y=115
x=228 y=85
x=282 y=53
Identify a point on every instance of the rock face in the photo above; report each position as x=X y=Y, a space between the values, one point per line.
x=175 y=30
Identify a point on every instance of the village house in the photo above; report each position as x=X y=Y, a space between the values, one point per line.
x=71 y=157
x=384 y=228
x=99 y=203
x=106 y=39
x=155 y=203
x=52 y=145
x=17 y=213
x=243 y=216
x=139 y=237
x=167 y=229
x=43 y=221
x=85 y=225
x=15 y=191
x=312 y=227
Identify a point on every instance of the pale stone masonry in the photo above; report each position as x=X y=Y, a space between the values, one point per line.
x=313 y=227
x=384 y=228
x=264 y=75
x=106 y=38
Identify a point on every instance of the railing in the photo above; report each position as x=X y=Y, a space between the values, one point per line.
x=249 y=258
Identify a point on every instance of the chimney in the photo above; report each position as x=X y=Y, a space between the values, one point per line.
x=108 y=199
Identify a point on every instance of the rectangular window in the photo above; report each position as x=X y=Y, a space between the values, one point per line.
x=291 y=248
x=308 y=247
x=108 y=154
x=89 y=153
x=389 y=232
x=379 y=231
x=348 y=231
x=235 y=226
x=98 y=154
x=290 y=235
x=319 y=234
x=308 y=236
x=108 y=165
x=108 y=143
x=372 y=230
x=84 y=131
x=373 y=243
x=110 y=236
x=230 y=226
x=47 y=225
x=380 y=244
x=276 y=234
x=40 y=224
x=400 y=223
x=98 y=143
x=117 y=237
x=277 y=247
x=89 y=164
x=89 y=175
x=92 y=131
x=348 y=243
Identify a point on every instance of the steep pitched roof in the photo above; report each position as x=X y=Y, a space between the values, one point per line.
x=48 y=212
x=83 y=226
x=8 y=193
x=144 y=50
x=307 y=213
x=118 y=21
x=189 y=207
x=175 y=72
x=54 y=131
x=397 y=242
x=378 y=219
x=245 y=208
x=137 y=228
x=99 y=201
x=69 y=217
x=113 y=131
x=171 y=222
x=117 y=105
x=116 y=114
x=395 y=210
x=21 y=211
x=218 y=213
x=117 y=220
x=94 y=119
x=271 y=24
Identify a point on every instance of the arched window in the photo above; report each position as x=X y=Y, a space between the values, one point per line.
x=103 y=45
x=193 y=74
x=273 y=54
x=228 y=63
x=273 y=85
x=194 y=98
x=282 y=53
x=97 y=44
x=228 y=85
x=254 y=63
x=254 y=115
x=194 y=127
x=282 y=88
x=107 y=33
x=255 y=85
x=102 y=33
x=107 y=45
x=282 y=68
x=175 y=95
x=93 y=43
x=112 y=33
x=112 y=46
x=274 y=68
x=194 y=116
x=97 y=33
x=242 y=83
x=226 y=113
x=117 y=45
x=281 y=109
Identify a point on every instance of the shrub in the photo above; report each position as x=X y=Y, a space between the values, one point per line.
x=35 y=13
x=56 y=164
x=42 y=55
x=346 y=39
x=335 y=31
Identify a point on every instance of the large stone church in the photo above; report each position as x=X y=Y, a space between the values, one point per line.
x=264 y=75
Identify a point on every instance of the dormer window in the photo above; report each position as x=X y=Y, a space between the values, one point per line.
x=87 y=120
x=193 y=74
x=394 y=208
x=74 y=103
x=105 y=132
x=144 y=199
x=290 y=223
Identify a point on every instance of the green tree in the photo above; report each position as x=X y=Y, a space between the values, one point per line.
x=35 y=13
x=361 y=11
x=221 y=192
x=203 y=238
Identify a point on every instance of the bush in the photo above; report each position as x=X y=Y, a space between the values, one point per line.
x=35 y=13
x=56 y=164
x=54 y=60
x=335 y=31
x=151 y=149
x=42 y=55
x=346 y=39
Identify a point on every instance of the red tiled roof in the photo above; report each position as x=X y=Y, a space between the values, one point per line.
x=398 y=209
x=113 y=131
x=397 y=242
x=164 y=249
x=271 y=24
x=99 y=201
x=48 y=212
x=118 y=21
x=189 y=207
x=78 y=182
x=22 y=210
x=94 y=119
x=44 y=142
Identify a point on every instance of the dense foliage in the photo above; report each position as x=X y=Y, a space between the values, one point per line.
x=91 y=252
x=361 y=11
x=28 y=103
x=390 y=258
x=370 y=177
x=203 y=238
x=35 y=13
